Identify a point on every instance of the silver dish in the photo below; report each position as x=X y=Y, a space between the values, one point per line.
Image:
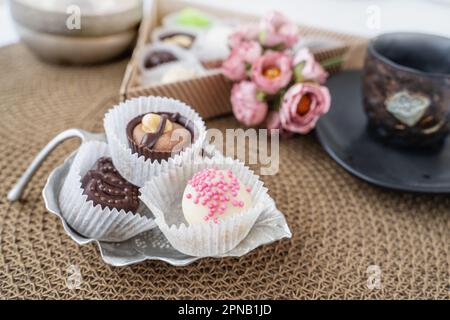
x=151 y=245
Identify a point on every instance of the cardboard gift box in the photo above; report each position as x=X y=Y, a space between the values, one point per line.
x=210 y=94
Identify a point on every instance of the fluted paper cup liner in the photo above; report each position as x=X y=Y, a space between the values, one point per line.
x=133 y=167
x=108 y=224
x=163 y=196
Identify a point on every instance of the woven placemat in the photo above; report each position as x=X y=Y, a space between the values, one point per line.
x=340 y=225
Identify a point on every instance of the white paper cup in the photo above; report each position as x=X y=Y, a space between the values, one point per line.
x=163 y=196
x=133 y=167
x=108 y=224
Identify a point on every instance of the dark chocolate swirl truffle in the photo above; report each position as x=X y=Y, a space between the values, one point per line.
x=105 y=186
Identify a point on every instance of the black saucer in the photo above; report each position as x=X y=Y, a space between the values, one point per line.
x=344 y=134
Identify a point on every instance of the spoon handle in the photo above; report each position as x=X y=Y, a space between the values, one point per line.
x=16 y=191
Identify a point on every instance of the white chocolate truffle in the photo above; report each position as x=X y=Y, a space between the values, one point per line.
x=213 y=194
x=178 y=73
x=214 y=44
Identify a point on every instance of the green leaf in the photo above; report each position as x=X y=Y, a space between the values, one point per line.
x=278 y=47
x=277 y=100
x=262 y=36
x=260 y=95
x=248 y=69
x=298 y=72
x=330 y=62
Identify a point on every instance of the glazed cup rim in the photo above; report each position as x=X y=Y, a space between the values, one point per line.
x=379 y=56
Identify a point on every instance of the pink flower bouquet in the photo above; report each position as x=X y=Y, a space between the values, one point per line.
x=275 y=86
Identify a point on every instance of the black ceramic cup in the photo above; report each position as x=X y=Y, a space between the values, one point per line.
x=406 y=88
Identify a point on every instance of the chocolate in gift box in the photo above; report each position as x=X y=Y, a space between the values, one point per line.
x=209 y=94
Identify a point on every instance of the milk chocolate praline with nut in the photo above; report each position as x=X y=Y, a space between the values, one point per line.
x=181 y=39
x=104 y=185
x=159 y=141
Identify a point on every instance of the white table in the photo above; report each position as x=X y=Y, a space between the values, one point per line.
x=352 y=16
x=349 y=16
x=7 y=32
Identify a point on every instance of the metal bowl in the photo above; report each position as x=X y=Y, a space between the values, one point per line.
x=76 y=50
x=96 y=17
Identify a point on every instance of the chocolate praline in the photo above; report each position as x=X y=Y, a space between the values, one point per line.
x=159 y=57
x=177 y=38
x=148 y=151
x=104 y=185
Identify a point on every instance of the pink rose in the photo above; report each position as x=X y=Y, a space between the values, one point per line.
x=302 y=106
x=273 y=122
x=277 y=29
x=234 y=67
x=311 y=70
x=246 y=107
x=244 y=33
x=272 y=71
x=250 y=51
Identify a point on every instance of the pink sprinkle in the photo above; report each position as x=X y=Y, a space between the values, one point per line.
x=216 y=220
x=248 y=189
x=214 y=189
